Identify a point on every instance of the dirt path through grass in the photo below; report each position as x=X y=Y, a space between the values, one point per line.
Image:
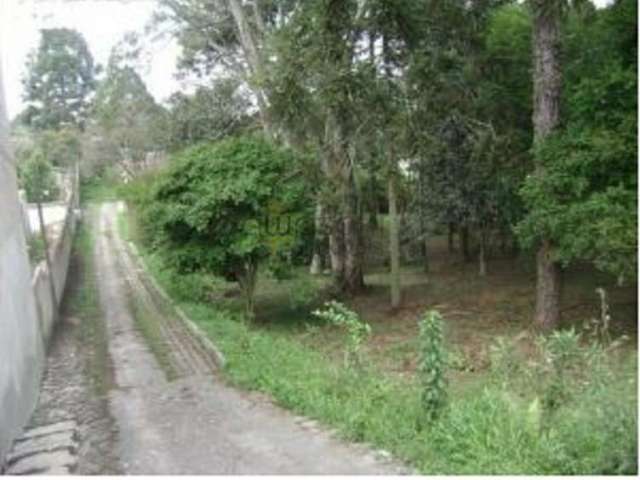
x=174 y=413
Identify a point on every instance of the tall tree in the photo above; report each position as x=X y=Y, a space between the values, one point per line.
x=453 y=85
x=313 y=88
x=586 y=201
x=228 y=36
x=547 y=85
x=209 y=114
x=126 y=115
x=250 y=39
x=60 y=79
x=392 y=31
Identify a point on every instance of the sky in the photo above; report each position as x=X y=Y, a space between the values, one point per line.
x=102 y=22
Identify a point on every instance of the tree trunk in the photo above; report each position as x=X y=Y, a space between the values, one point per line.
x=316 y=264
x=394 y=242
x=548 y=289
x=373 y=204
x=504 y=237
x=547 y=84
x=318 y=241
x=464 y=240
x=339 y=54
x=482 y=255
x=336 y=251
x=247 y=280
x=451 y=232
x=249 y=46
x=353 y=275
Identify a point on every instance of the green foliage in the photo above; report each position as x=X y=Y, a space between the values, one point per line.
x=36 y=176
x=570 y=365
x=100 y=187
x=82 y=300
x=472 y=122
x=206 y=41
x=62 y=146
x=584 y=198
x=448 y=84
x=357 y=331
x=59 y=80
x=210 y=211
x=561 y=354
x=128 y=123
x=209 y=114
x=35 y=247
x=505 y=364
x=304 y=294
x=432 y=366
x=491 y=431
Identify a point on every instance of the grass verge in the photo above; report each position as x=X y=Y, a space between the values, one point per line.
x=146 y=323
x=149 y=328
x=82 y=302
x=98 y=189
x=489 y=430
x=489 y=427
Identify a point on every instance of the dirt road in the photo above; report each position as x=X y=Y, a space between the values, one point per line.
x=173 y=412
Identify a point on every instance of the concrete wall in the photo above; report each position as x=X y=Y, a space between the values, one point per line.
x=21 y=343
x=60 y=252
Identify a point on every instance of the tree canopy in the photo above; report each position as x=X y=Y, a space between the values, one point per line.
x=224 y=208
x=59 y=81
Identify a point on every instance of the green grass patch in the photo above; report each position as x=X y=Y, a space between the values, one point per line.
x=149 y=327
x=100 y=188
x=81 y=301
x=145 y=321
x=487 y=426
x=486 y=430
x=122 y=224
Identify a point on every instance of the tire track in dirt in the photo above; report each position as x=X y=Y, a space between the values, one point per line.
x=196 y=424
x=186 y=353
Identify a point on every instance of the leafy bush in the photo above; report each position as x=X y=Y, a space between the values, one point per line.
x=505 y=364
x=357 y=330
x=62 y=146
x=305 y=293
x=103 y=186
x=495 y=433
x=586 y=201
x=36 y=176
x=431 y=369
x=138 y=194
x=212 y=211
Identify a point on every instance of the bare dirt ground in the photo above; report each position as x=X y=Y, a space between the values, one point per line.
x=174 y=415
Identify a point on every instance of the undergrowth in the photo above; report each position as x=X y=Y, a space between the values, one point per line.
x=498 y=428
x=490 y=431
x=104 y=187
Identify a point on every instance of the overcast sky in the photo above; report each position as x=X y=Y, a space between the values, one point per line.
x=102 y=22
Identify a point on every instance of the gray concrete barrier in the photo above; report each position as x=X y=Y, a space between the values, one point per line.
x=21 y=346
x=26 y=305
